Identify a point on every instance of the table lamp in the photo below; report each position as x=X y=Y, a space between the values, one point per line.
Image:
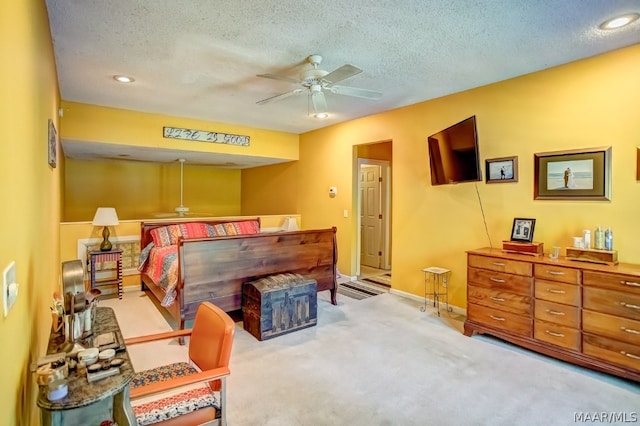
x=105 y=216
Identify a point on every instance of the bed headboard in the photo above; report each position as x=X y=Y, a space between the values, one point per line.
x=146 y=227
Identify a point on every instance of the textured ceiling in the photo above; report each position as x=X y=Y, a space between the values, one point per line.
x=200 y=58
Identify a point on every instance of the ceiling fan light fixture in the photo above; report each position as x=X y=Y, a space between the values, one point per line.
x=123 y=78
x=619 y=21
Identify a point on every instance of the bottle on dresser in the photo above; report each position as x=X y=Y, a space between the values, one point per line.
x=586 y=238
x=608 y=239
x=599 y=238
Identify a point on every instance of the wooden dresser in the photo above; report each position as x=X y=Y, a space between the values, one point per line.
x=584 y=313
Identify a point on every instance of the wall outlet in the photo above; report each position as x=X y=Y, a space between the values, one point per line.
x=9 y=287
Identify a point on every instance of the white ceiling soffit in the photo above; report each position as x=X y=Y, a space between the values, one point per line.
x=200 y=59
x=82 y=150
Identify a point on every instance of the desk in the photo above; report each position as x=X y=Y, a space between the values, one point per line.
x=96 y=257
x=440 y=287
x=91 y=403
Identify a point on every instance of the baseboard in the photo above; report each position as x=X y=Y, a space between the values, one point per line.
x=455 y=309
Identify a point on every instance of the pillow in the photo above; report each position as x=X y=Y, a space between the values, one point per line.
x=165 y=235
x=244 y=227
x=194 y=230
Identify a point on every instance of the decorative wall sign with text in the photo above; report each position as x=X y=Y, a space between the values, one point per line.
x=204 y=136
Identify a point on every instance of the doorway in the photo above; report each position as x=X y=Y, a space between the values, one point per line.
x=374 y=216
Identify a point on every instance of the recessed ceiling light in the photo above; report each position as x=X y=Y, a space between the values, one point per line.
x=321 y=115
x=123 y=79
x=619 y=21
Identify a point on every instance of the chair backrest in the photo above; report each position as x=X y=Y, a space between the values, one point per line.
x=211 y=338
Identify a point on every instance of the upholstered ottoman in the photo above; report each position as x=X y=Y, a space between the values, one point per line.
x=279 y=304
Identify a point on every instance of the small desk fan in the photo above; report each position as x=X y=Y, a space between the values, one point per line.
x=74 y=299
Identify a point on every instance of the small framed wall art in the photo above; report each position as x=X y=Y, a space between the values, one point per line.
x=501 y=170
x=582 y=174
x=522 y=230
x=52 y=143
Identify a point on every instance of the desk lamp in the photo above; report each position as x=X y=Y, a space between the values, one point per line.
x=105 y=216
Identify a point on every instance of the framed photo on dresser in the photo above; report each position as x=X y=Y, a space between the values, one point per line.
x=522 y=230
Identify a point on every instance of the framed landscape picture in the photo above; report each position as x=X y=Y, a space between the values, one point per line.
x=501 y=170
x=583 y=174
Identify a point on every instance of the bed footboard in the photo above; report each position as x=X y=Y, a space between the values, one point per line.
x=214 y=269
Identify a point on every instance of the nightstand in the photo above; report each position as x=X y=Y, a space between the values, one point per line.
x=96 y=257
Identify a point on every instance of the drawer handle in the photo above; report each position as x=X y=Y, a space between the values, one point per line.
x=550 y=290
x=555 y=273
x=630 y=283
x=554 y=334
x=497 y=318
x=496 y=280
x=555 y=312
x=629 y=330
x=498 y=263
x=630 y=355
x=497 y=299
x=629 y=305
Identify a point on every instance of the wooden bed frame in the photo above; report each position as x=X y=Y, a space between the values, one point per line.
x=214 y=269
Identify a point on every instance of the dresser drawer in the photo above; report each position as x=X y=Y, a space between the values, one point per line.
x=500 y=265
x=500 y=280
x=612 y=350
x=624 y=329
x=568 y=294
x=557 y=273
x=611 y=302
x=506 y=321
x=555 y=334
x=557 y=313
x=618 y=282
x=510 y=302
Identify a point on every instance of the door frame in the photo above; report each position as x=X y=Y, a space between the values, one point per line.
x=385 y=191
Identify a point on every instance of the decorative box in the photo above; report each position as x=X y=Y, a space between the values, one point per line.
x=279 y=304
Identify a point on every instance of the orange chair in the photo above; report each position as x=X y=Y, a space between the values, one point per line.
x=209 y=353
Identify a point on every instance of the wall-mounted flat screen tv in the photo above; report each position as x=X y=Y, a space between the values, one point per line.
x=453 y=154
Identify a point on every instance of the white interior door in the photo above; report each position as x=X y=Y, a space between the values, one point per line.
x=370 y=216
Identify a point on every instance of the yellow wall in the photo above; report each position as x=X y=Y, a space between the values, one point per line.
x=146 y=190
x=83 y=122
x=270 y=189
x=30 y=194
x=376 y=151
x=585 y=104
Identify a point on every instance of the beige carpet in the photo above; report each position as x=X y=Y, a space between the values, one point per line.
x=380 y=361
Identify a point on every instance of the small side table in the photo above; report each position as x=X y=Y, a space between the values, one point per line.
x=440 y=287
x=107 y=256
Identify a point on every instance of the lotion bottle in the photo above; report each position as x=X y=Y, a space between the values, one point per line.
x=599 y=238
x=586 y=237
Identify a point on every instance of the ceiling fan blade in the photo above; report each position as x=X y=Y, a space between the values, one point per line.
x=342 y=73
x=280 y=96
x=355 y=91
x=319 y=102
x=279 y=77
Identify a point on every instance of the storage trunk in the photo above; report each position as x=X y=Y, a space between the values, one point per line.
x=279 y=304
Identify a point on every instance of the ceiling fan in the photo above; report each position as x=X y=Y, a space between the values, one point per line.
x=315 y=81
x=181 y=210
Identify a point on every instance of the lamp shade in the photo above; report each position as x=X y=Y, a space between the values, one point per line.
x=105 y=216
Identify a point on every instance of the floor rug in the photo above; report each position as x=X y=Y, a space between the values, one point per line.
x=360 y=290
x=384 y=279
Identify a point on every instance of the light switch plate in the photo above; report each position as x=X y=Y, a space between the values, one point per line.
x=9 y=287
